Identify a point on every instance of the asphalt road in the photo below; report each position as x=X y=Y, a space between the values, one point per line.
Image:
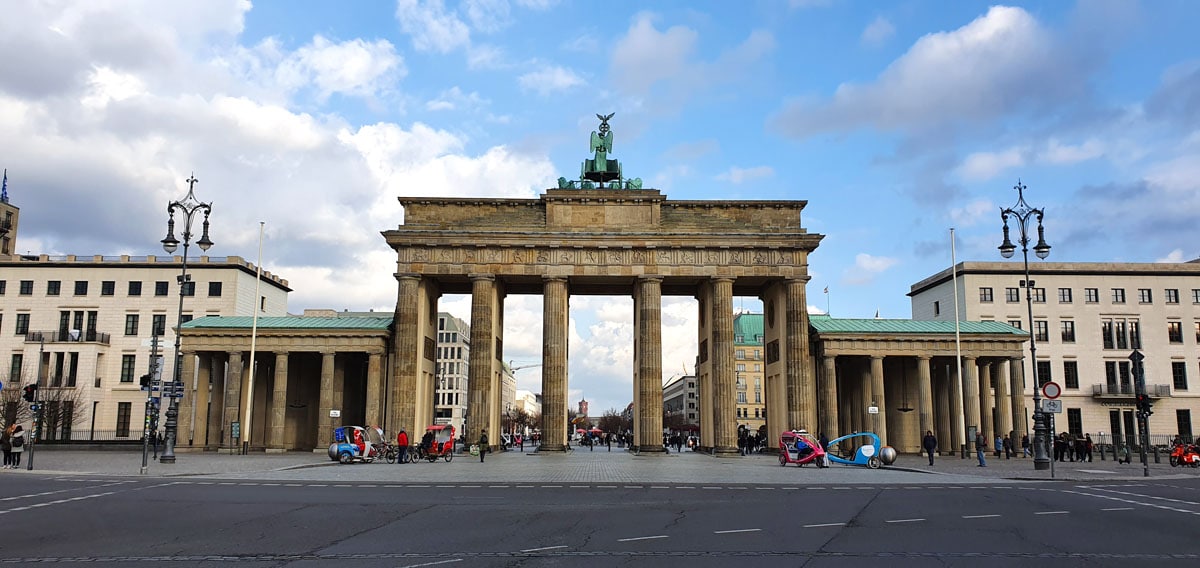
x=184 y=522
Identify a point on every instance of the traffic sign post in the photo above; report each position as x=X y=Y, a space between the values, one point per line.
x=1052 y=406
x=1051 y=390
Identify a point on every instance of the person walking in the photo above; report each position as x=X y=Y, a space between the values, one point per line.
x=1024 y=445
x=18 y=446
x=930 y=444
x=1087 y=447
x=608 y=441
x=483 y=444
x=402 y=444
x=1008 y=448
x=6 y=445
x=980 y=447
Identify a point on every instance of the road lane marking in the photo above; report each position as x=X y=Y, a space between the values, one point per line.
x=1131 y=502
x=432 y=563
x=710 y=487
x=641 y=538
x=544 y=548
x=736 y=531
x=606 y=487
x=660 y=487
x=1118 y=509
x=905 y=521
x=1051 y=512
x=979 y=516
x=1149 y=497
x=825 y=525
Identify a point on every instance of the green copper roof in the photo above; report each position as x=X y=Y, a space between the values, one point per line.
x=749 y=327
x=290 y=322
x=826 y=324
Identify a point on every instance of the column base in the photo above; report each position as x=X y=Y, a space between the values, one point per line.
x=725 y=450
x=275 y=450
x=547 y=448
x=659 y=450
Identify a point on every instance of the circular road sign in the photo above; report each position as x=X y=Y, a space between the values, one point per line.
x=1051 y=390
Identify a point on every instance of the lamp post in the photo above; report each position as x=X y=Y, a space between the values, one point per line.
x=1022 y=213
x=187 y=207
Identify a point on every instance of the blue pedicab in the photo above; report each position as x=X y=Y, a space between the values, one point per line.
x=867 y=454
x=353 y=444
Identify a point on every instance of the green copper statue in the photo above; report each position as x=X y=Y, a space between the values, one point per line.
x=600 y=169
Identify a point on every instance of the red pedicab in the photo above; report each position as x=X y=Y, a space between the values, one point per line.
x=442 y=445
x=810 y=450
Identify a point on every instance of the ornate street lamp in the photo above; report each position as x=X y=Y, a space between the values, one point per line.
x=1022 y=213
x=187 y=207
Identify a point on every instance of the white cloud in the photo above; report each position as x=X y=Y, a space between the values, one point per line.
x=878 y=31
x=487 y=16
x=867 y=267
x=1173 y=256
x=1062 y=154
x=454 y=99
x=106 y=85
x=537 y=4
x=738 y=175
x=354 y=67
x=972 y=213
x=550 y=79
x=431 y=26
x=982 y=166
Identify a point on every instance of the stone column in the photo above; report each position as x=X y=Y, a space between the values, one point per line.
x=877 y=393
x=279 y=404
x=555 y=322
x=198 y=417
x=958 y=417
x=649 y=361
x=406 y=356
x=971 y=395
x=802 y=389
x=1003 y=402
x=375 y=391
x=183 y=430
x=924 y=396
x=724 y=392
x=829 y=394
x=987 y=406
x=479 y=381
x=233 y=396
x=326 y=398
x=216 y=404
x=942 y=396
x=1017 y=396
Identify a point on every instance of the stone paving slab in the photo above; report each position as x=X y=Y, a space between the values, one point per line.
x=617 y=466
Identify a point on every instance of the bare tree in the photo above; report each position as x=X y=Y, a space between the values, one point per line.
x=612 y=421
x=60 y=409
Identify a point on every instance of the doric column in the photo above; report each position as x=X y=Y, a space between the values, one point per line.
x=958 y=416
x=987 y=405
x=971 y=394
x=942 y=395
x=924 y=395
x=1017 y=396
x=829 y=394
x=216 y=403
x=479 y=381
x=375 y=391
x=233 y=395
x=555 y=322
x=279 y=403
x=724 y=410
x=649 y=362
x=406 y=355
x=183 y=432
x=197 y=417
x=1003 y=403
x=802 y=390
x=324 y=421
x=879 y=398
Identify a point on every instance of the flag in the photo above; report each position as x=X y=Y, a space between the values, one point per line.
x=827 y=289
x=4 y=188
x=876 y=314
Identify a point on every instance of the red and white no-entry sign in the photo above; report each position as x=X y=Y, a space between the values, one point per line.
x=1051 y=390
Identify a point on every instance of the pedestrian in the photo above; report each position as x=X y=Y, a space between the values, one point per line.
x=824 y=441
x=483 y=444
x=18 y=446
x=929 y=443
x=6 y=445
x=999 y=447
x=980 y=447
x=1024 y=445
x=1087 y=447
x=402 y=444
x=608 y=441
x=1008 y=449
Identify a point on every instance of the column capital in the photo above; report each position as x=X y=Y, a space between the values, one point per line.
x=722 y=279
x=651 y=278
x=797 y=280
x=406 y=276
x=923 y=357
x=554 y=279
x=282 y=352
x=829 y=357
x=970 y=358
x=478 y=276
x=874 y=357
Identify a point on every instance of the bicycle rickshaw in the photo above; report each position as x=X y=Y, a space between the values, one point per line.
x=789 y=454
x=442 y=445
x=353 y=444
x=869 y=453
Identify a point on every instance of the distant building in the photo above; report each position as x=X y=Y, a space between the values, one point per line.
x=680 y=398
x=453 y=356
x=748 y=370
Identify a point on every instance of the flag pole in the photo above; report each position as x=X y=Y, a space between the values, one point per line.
x=248 y=411
x=962 y=432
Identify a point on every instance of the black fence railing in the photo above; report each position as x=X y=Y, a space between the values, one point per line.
x=67 y=336
x=85 y=436
x=1134 y=441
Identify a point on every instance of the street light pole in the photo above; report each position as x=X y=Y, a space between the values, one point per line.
x=1022 y=213
x=187 y=207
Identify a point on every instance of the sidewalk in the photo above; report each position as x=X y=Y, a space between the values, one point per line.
x=617 y=466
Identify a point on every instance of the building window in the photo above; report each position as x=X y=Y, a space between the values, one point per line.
x=1179 y=375
x=1071 y=374
x=124 y=411
x=1039 y=295
x=1117 y=378
x=160 y=288
x=135 y=288
x=937 y=308
x=1067 y=327
x=1198 y=332
x=81 y=287
x=1118 y=295
x=1015 y=323
x=108 y=288
x=1175 y=331
x=26 y=288
x=1144 y=296
x=214 y=289
x=14 y=373
x=741 y=367
x=1043 y=373
x=1196 y=295
x=1120 y=334
x=757 y=399
x=131 y=324
x=1091 y=295
x=1075 y=422
x=739 y=354
x=1183 y=424
x=189 y=288
x=985 y=295
x=53 y=287
x=1012 y=295
x=128 y=363
x=262 y=303
x=22 y=324
x=158 y=325
x=1064 y=295
x=1041 y=330
x=3 y=286
x=1171 y=296
x=741 y=398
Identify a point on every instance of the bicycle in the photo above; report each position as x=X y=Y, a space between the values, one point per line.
x=389 y=452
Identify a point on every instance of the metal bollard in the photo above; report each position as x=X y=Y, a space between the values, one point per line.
x=1101 y=448
x=1157 y=459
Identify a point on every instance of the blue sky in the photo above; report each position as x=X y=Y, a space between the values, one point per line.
x=894 y=120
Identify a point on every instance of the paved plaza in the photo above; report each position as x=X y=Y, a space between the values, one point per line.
x=580 y=466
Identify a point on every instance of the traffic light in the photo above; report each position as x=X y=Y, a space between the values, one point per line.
x=1143 y=405
x=30 y=393
x=144 y=381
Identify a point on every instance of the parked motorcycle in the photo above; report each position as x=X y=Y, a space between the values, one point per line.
x=1185 y=455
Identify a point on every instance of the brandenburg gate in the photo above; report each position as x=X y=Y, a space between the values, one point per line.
x=604 y=235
